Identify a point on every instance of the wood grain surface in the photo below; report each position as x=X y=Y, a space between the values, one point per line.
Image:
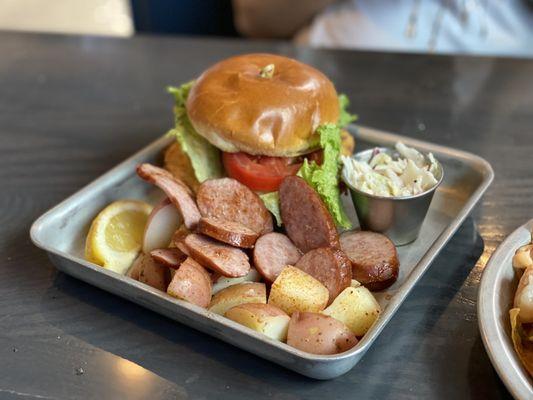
x=72 y=107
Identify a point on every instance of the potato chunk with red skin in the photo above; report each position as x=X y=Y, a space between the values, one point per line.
x=192 y=283
x=319 y=334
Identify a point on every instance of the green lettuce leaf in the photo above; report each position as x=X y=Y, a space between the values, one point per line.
x=325 y=178
x=205 y=158
x=271 y=201
x=345 y=118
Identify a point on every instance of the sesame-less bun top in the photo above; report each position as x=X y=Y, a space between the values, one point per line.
x=262 y=104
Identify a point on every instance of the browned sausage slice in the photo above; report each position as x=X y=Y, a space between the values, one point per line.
x=329 y=266
x=374 y=258
x=192 y=283
x=273 y=252
x=233 y=233
x=306 y=218
x=219 y=257
x=229 y=200
x=178 y=237
x=178 y=193
x=171 y=258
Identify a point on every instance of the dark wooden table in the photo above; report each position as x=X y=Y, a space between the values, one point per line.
x=72 y=107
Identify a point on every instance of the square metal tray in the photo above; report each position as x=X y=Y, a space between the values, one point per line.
x=62 y=231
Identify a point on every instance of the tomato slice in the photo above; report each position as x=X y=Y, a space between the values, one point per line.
x=260 y=173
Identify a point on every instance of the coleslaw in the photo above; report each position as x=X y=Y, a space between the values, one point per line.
x=409 y=174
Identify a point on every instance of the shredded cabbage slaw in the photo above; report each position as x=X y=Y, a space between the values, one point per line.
x=408 y=175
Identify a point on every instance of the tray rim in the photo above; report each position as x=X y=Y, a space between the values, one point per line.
x=358 y=131
x=501 y=355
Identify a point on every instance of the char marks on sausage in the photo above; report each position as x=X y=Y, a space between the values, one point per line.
x=219 y=257
x=273 y=252
x=180 y=195
x=329 y=266
x=229 y=200
x=233 y=233
x=306 y=218
x=374 y=258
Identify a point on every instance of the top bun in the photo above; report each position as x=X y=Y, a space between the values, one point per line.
x=237 y=106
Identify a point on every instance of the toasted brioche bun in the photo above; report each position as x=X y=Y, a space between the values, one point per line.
x=237 y=109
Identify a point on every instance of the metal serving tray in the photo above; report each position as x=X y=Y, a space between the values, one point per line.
x=62 y=231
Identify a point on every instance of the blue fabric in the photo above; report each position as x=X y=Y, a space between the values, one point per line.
x=193 y=17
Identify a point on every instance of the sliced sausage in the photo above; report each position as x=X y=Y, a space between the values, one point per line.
x=178 y=237
x=229 y=200
x=273 y=252
x=171 y=258
x=154 y=274
x=306 y=218
x=329 y=266
x=229 y=232
x=219 y=257
x=191 y=283
x=374 y=258
x=178 y=193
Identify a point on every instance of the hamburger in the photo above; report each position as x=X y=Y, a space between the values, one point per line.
x=258 y=118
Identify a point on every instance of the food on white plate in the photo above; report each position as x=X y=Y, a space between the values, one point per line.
x=521 y=335
x=264 y=318
x=115 y=236
x=154 y=274
x=192 y=283
x=409 y=174
x=375 y=262
x=228 y=200
x=523 y=299
x=172 y=257
x=248 y=292
x=330 y=267
x=273 y=252
x=233 y=233
x=521 y=314
x=178 y=193
x=319 y=334
x=307 y=221
x=161 y=225
x=221 y=282
x=295 y=290
x=259 y=118
x=218 y=257
x=356 y=307
x=523 y=257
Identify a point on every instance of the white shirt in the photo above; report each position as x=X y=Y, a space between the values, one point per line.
x=482 y=27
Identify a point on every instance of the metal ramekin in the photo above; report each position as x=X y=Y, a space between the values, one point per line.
x=399 y=218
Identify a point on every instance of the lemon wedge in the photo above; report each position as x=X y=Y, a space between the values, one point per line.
x=115 y=236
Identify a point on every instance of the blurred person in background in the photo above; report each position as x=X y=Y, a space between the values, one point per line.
x=481 y=27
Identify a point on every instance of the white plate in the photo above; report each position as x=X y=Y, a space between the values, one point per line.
x=495 y=299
